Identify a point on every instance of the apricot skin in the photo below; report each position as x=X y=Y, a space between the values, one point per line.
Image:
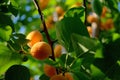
x=49 y=70
x=34 y=37
x=41 y=50
x=58 y=77
x=43 y=4
x=68 y=76
x=58 y=51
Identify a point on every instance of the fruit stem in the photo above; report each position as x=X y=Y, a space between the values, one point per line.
x=45 y=28
x=84 y=4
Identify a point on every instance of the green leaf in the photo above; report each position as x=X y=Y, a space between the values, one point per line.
x=97 y=7
x=17 y=72
x=13 y=9
x=7 y=58
x=97 y=73
x=5 y=20
x=44 y=77
x=80 y=75
x=66 y=27
x=83 y=44
x=76 y=12
x=5 y=33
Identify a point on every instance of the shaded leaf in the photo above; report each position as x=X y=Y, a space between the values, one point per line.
x=17 y=72
x=97 y=7
x=83 y=44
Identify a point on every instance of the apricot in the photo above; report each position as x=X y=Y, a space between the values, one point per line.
x=107 y=25
x=68 y=76
x=104 y=11
x=91 y=18
x=43 y=4
x=34 y=37
x=41 y=50
x=59 y=10
x=58 y=50
x=58 y=77
x=49 y=70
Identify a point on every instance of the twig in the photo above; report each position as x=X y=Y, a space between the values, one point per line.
x=45 y=28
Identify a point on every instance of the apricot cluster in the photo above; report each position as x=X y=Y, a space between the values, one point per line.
x=39 y=49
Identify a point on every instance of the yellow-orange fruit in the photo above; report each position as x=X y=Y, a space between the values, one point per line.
x=41 y=50
x=59 y=10
x=43 y=4
x=104 y=11
x=58 y=77
x=91 y=18
x=49 y=70
x=107 y=25
x=58 y=50
x=34 y=37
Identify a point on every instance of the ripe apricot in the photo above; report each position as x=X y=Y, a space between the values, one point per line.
x=68 y=76
x=107 y=25
x=41 y=50
x=58 y=50
x=34 y=36
x=49 y=70
x=91 y=18
x=43 y=4
x=58 y=77
x=59 y=10
x=104 y=11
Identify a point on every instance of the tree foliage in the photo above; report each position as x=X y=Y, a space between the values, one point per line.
x=87 y=30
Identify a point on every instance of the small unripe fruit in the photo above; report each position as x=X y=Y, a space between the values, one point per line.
x=58 y=50
x=41 y=50
x=34 y=37
x=58 y=77
x=49 y=70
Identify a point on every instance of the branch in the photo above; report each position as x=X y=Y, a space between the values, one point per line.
x=84 y=4
x=45 y=28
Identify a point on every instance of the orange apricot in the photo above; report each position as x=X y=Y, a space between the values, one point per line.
x=58 y=77
x=59 y=10
x=91 y=18
x=58 y=50
x=49 y=70
x=104 y=11
x=68 y=75
x=43 y=4
x=34 y=37
x=41 y=50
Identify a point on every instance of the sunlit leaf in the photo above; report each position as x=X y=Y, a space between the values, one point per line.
x=76 y=12
x=5 y=33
